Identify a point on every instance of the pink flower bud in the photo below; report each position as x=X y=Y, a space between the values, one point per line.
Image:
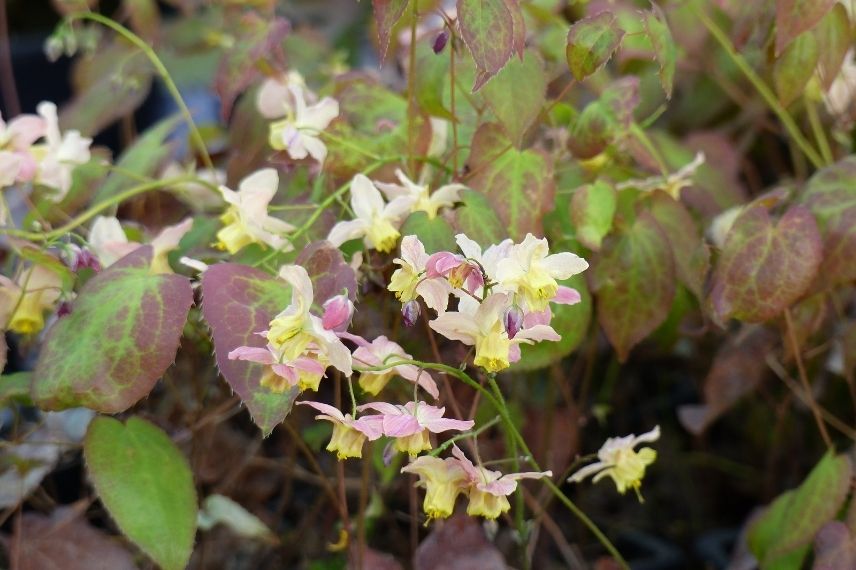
x=410 y=311
x=337 y=315
x=440 y=41
x=80 y=258
x=512 y=320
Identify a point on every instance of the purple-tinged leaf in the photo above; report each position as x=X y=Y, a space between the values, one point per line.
x=657 y=29
x=239 y=301
x=121 y=336
x=793 y=17
x=386 y=14
x=765 y=267
x=518 y=38
x=635 y=269
x=487 y=28
x=591 y=42
x=329 y=271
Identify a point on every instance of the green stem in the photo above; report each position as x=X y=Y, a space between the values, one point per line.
x=819 y=133
x=97 y=209
x=161 y=69
x=472 y=433
x=756 y=81
x=512 y=429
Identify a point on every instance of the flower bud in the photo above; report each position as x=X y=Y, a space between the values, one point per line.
x=512 y=320
x=337 y=315
x=410 y=311
x=80 y=258
x=440 y=41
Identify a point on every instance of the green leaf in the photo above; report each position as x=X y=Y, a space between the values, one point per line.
x=146 y=484
x=765 y=267
x=431 y=82
x=238 y=301
x=386 y=14
x=518 y=183
x=591 y=42
x=834 y=38
x=143 y=158
x=121 y=336
x=794 y=68
x=487 y=28
x=436 y=234
x=793 y=17
x=15 y=387
x=790 y=523
x=657 y=29
x=592 y=210
x=477 y=218
x=831 y=196
x=634 y=283
x=571 y=321
x=516 y=95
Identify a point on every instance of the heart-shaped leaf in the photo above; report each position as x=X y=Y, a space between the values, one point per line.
x=764 y=267
x=239 y=301
x=591 y=42
x=436 y=233
x=487 y=28
x=328 y=270
x=146 y=484
x=517 y=94
x=635 y=269
x=794 y=17
x=121 y=336
x=386 y=14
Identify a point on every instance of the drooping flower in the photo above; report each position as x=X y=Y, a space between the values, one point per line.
x=296 y=331
x=349 y=434
x=246 y=220
x=275 y=99
x=409 y=424
x=619 y=460
x=419 y=196
x=16 y=137
x=410 y=280
x=481 y=325
x=377 y=222
x=305 y=372
x=488 y=490
x=671 y=184
x=382 y=350
x=59 y=155
x=23 y=302
x=531 y=272
x=299 y=133
x=443 y=480
x=109 y=242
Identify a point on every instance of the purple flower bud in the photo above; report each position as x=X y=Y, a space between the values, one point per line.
x=79 y=258
x=440 y=41
x=63 y=310
x=388 y=453
x=512 y=320
x=337 y=315
x=410 y=311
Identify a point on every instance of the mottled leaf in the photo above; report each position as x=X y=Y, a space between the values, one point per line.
x=634 y=270
x=239 y=301
x=791 y=522
x=657 y=30
x=605 y=120
x=518 y=183
x=146 y=484
x=834 y=38
x=477 y=218
x=591 y=42
x=121 y=336
x=831 y=196
x=793 y=69
x=592 y=210
x=459 y=543
x=386 y=14
x=516 y=95
x=738 y=368
x=436 y=234
x=328 y=270
x=64 y=540
x=793 y=17
x=834 y=547
x=692 y=256
x=487 y=28
x=765 y=266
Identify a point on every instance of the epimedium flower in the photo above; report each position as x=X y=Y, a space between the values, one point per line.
x=275 y=100
x=488 y=490
x=246 y=220
x=382 y=350
x=619 y=460
x=23 y=302
x=298 y=133
x=532 y=273
x=377 y=222
x=59 y=155
x=482 y=325
x=338 y=311
x=295 y=330
x=304 y=372
x=108 y=241
x=443 y=480
x=16 y=137
x=486 y=260
x=410 y=424
x=419 y=196
x=349 y=434
x=410 y=280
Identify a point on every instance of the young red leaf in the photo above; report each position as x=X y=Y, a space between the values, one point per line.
x=487 y=28
x=634 y=270
x=386 y=14
x=793 y=17
x=121 y=336
x=239 y=301
x=591 y=42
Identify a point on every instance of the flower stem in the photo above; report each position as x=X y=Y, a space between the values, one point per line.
x=472 y=433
